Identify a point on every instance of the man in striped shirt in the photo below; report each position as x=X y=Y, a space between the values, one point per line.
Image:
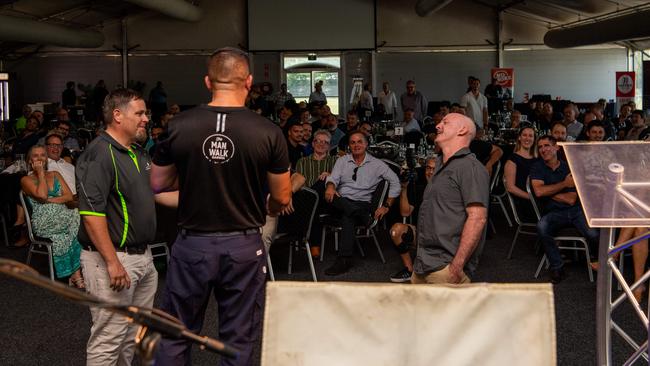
x=316 y=168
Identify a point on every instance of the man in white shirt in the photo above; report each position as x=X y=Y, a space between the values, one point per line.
x=475 y=103
x=388 y=99
x=54 y=147
x=317 y=95
x=573 y=127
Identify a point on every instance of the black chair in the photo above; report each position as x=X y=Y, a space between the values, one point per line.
x=570 y=237
x=38 y=245
x=378 y=197
x=298 y=225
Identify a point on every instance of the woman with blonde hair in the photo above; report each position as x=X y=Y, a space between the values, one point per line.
x=47 y=193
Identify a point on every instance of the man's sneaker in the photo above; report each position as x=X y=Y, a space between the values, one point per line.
x=402 y=276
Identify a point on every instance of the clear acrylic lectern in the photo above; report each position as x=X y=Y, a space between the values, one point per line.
x=613 y=183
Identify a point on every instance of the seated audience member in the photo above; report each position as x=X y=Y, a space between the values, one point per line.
x=515 y=119
x=595 y=131
x=69 y=142
x=546 y=117
x=283 y=117
x=305 y=117
x=157 y=134
x=410 y=123
x=29 y=137
x=573 y=127
x=638 y=126
x=351 y=122
x=349 y=189
x=321 y=114
x=21 y=122
x=552 y=182
x=316 y=168
x=306 y=138
x=294 y=138
x=444 y=108
x=487 y=153
x=558 y=131
x=331 y=124
x=47 y=192
x=56 y=163
x=403 y=235
x=517 y=170
x=622 y=123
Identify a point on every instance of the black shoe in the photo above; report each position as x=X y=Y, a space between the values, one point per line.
x=402 y=276
x=339 y=267
x=557 y=275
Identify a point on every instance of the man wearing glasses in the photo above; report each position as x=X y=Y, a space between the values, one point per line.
x=349 y=189
x=316 y=168
x=54 y=148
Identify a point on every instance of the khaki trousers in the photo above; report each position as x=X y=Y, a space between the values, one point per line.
x=437 y=277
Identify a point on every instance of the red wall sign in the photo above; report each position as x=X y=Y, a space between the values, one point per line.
x=625 y=84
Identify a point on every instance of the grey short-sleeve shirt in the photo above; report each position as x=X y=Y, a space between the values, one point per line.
x=463 y=180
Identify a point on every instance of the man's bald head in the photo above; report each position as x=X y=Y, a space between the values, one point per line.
x=228 y=68
x=455 y=129
x=464 y=123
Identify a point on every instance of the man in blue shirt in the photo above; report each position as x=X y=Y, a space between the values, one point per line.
x=552 y=182
x=349 y=189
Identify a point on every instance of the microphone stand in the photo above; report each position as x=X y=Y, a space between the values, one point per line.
x=153 y=322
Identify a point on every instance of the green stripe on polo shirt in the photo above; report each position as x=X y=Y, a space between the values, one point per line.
x=125 y=212
x=92 y=213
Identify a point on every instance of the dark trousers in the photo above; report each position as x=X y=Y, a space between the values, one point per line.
x=232 y=268
x=351 y=213
x=553 y=221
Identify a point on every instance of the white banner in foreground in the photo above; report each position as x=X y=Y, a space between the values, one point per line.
x=386 y=324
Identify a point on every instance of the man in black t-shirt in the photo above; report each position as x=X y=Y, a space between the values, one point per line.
x=221 y=170
x=294 y=138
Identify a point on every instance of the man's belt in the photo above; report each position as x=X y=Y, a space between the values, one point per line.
x=127 y=249
x=187 y=232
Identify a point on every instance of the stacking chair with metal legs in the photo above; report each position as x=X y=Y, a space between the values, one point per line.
x=527 y=228
x=304 y=202
x=574 y=239
x=498 y=198
x=38 y=245
x=378 y=197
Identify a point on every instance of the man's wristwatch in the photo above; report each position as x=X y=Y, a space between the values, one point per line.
x=385 y=204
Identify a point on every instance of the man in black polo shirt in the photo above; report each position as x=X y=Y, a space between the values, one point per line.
x=119 y=221
x=453 y=213
x=221 y=170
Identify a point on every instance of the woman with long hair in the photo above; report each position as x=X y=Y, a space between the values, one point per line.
x=48 y=193
x=517 y=169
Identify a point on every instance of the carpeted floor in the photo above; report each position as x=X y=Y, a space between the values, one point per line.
x=38 y=328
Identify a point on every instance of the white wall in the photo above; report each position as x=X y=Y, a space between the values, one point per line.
x=579 y=75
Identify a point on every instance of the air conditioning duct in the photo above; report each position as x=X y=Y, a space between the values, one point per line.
x=31 y=31
x=179 y=9
x=621 y=28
